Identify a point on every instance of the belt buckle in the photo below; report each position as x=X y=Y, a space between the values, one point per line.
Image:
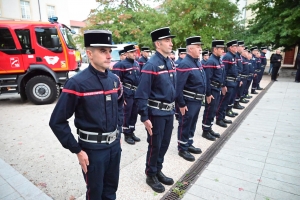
x=111 y=138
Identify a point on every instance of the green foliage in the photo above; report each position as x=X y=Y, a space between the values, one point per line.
x=132 y=21
x=276 y=23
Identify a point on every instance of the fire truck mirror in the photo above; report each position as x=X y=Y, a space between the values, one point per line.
x=53 y=31
x=55 y=42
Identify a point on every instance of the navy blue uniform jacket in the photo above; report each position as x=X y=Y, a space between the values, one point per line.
x=142 y=61
x=129 y=72
x=190 y=77
x=157 y=83
x=263 y=59
x=239 y=62
x=97 y=101
x=230 y=63
x=214 y=70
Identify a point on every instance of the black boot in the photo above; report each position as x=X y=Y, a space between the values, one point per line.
x=221 y=123
x=186 y=155
x=229 y=113
x=194 y=150
x=164 y=179
x=234 y=113
x=244 y=100
x=208 y=136
x=238 y=106
x=254 y=92
x=129 y=140
x=227 y=121
x=217 y=135
x=248 y=96
x=136 y=139
x=153 y=182
x=259 y=88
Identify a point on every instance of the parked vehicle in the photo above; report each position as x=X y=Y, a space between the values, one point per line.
x=35 y=59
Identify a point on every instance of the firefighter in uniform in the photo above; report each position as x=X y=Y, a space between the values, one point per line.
x=144 y=58
x=129 y=72
x=263 y=65
x=156 y=96
x=205 y=56
x=190 y=91
x=250 y=76
x=215 y=75
x=122 y=55
x=181 y=55
x=95 y=97
x=243 y=73
x=231 y=83
x=256 y=66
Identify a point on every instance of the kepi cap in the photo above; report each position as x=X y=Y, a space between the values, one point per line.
x=129 y=48
x=205 y=53
x=232 y=43
x=263 y=48
x=181 y=50
x=161 y=33
x=98 y=38
x=217 y=43
x=241 y=43
x=193 y=40
x=145 y=49
x=253 y=48
x=121 y=52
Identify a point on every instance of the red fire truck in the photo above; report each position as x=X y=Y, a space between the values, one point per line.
x=35 y=59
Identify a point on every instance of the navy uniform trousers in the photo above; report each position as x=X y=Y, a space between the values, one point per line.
x=187 y=124
x=254 y=83
x=158 y=143
x=104 y=164
x=233 y=96
x=224 y=102
x=210 y=110
x=249 y=80
x=240 y=92
x=130 y=115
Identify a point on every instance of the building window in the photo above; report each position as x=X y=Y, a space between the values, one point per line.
x=51 y=11
x=25 y=9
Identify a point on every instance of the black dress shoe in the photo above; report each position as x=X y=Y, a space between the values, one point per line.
x=254 y=92
x=221 y=123
x=259 y=88
x=136 y=139
x=229 y=113
x=248 y=96
x=194 y=150
x=129 y=140
x=186 y=155
x=153 y=182
x=227 y=121
x=208 y=136
x=217 y=135
x=164 y=179
x=238 y=106
x=244 y=101
x=234 y=113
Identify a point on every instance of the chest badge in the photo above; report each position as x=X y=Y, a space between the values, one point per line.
x=115 y=84
x=161 y=66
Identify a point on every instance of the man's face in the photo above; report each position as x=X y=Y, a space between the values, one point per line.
x=219 y=51
x=233 y=49
x=172 y=56
x=278 y=51
x=240 y=49
x=123 y=56
x=206 y=57
x=258 y=54
x=145 y=54
x=131 y=55
x=99 y=57
x=245 y=53
x=195 y=50
x=182 y=55
x=265 y=50
x=165 y=45
x=254 y=52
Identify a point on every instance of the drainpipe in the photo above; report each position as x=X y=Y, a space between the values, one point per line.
x=39 y=10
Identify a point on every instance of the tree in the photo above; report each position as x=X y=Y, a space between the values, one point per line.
x=276 y=23
x=211 y=19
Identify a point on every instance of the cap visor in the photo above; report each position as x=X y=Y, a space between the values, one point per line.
x=168 y=36
x=103 y=45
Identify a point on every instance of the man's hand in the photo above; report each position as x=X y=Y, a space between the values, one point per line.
x=254 y=75
x=83 y=160
x=210 y=98
x=241 y=83
x=148 y=126
x=224 y=90
x=183 y=109
x=125 y=103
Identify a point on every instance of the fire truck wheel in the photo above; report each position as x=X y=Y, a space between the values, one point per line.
x=42 y=90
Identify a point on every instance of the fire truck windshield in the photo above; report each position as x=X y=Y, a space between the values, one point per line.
x=68 y=37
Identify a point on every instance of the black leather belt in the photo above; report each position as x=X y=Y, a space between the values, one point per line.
x=231 y=79
x=257 y=70
x=161 y=105
x=94 y=137
x=129 y=86
x=193 y=95
x=250 y=74
x=244 y=76
x=215 y=84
